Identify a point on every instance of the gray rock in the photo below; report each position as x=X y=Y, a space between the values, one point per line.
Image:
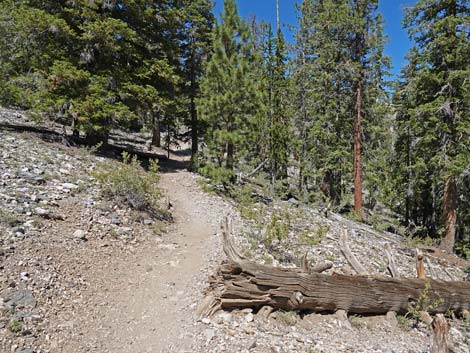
x=22 y=298
x=18 y=230
x=41 y=212
x=210 y=334
x=293 y=201
x=69 y=186
x=115 y=219
x=27 y=350
x=79 y=234
x=224 y=317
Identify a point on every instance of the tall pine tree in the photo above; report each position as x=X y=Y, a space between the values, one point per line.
x=229 y=95
x=434 y=110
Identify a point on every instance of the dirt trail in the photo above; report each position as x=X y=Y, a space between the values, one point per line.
x=149 y=305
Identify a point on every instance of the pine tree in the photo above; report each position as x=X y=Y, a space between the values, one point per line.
x=434 y=101
x=91 y=65
x=274 y=127
x=339 y=83
x=229 y=95
x=196 y=44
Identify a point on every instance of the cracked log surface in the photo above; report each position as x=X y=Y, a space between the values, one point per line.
x=240 y=283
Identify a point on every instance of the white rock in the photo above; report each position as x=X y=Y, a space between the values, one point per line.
x=79 y=234
x=41 y=211
x=69 y=186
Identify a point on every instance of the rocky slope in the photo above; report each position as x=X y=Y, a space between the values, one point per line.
x=82 y=273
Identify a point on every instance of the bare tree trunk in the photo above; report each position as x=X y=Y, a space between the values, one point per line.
x=193 y=112
x=278 y=18
x=450 y=214
x=156 y=138
x=440 y=341
x=357 y=152
x=230 y=157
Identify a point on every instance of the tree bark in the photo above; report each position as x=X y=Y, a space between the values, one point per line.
x=450 y=214
x=192 y=108
x=240 y=283
x=230 y=155
x=357 y=152
x=440 y=341
x=156 y=136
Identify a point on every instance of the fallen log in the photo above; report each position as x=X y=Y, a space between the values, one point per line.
x=240 y=283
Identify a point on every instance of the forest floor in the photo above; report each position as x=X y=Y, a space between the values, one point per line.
x=83 y=273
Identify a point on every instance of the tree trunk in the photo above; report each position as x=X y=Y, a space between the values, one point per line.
x=240 y=283
x=156 y=136
x=230 y=156
x=450 y=214
x=440 y=340
x=94 y=138
x=278 y=18
x=357 y=152
x=193 y=112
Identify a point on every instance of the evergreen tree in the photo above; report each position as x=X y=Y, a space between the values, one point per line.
x=196 y=44
x=92 y=65
x=275 y=127
x=434 y=111
x=339 y=77
x=229 y=95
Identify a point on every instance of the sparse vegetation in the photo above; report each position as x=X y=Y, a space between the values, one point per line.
x=288 y=318
x=15 y=326
x=424 y=303
x=277 y=229
x=356 y=321
x=417 y=242
x=128 y=182
x=9 y=218
x=404 y=322
x=313 y=237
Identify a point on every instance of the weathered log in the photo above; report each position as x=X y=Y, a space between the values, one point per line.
x=240 y=283
x=440 y=341
x=420 y=264
x=391 y=267
x=355 y=264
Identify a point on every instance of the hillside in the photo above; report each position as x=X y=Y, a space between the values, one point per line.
x=85 y=273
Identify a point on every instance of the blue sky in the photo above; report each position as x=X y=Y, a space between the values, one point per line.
x=392 y=11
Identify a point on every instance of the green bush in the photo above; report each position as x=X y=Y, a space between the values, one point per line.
x=278 y=228
x=129 y=183
x=313 y=238
x=424 y=303
x=15 y=326
x=288 y=318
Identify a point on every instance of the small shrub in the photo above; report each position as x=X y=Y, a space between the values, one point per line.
x=268 y=260
x=378 y=223
x=129 y=183
x=356 y=322
x=417 y=242
x=313 y=238
x=423 y=304
x=15 y=326
x=314 y=350
x=404 y=322
x=288 y=318
x=276 y=229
